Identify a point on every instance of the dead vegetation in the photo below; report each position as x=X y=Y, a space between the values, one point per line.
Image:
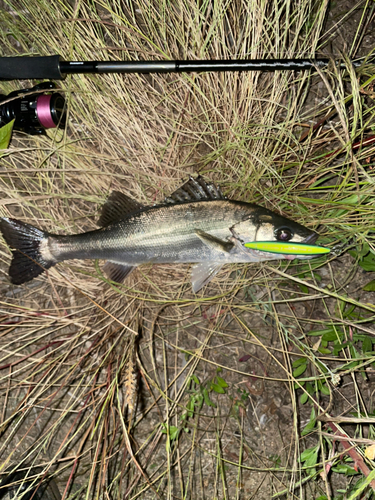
x=146 y=390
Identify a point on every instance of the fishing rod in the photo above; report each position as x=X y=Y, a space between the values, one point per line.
x=41 y=107
x=54 y=68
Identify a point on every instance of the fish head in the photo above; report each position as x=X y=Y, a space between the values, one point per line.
x=264 y=225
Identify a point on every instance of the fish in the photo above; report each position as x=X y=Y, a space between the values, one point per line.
x=195 y=224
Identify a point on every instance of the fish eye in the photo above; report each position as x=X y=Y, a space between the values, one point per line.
x=283 y=234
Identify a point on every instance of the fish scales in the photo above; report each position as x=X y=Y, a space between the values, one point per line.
x=160 y=234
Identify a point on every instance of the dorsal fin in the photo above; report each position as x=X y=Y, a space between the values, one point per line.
x=196 y=190
x=116 y=208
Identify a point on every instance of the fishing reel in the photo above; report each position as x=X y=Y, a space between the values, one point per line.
x=34 y=110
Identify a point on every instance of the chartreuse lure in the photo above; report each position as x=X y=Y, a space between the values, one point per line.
x=287 y=248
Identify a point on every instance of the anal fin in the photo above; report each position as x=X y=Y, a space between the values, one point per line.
x=117 y=272
x=202 y=273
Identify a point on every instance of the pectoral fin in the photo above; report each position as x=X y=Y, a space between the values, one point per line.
x=202 y=273
x=213 y=242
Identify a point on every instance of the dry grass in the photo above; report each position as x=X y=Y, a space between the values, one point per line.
x=146 y=390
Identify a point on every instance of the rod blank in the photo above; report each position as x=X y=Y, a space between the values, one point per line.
x=52 y=67
x=189 y=66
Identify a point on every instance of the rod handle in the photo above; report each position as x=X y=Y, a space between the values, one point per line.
x=22 y=68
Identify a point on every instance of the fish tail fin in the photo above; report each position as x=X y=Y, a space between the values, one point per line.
x=31 y=256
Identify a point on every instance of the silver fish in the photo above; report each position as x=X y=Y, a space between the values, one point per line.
x=195 y=224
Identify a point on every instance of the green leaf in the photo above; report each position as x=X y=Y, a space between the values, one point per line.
x=311 y=461
x=330 y=336
x=353 y=351
x=299 y=370
x=309 y=388
x=217 y=388
x=189 y=409
x=191 y=404
x=317 y=333
x=354 y=199
x=299 y=362
x=367 y=345
x=366 y=258
x=364 y=250
x=304 y=398
x=199 y=401
x=298 y=385
x=338 y=348
x=221 y=382
x=309 y=427
x=172 y=430
x=207 y=399
x=347 y=311
x=323 y=350
x=370 y=287
x=368 y=262
x=321 y=367
x=350 y=365
x=303 y=288
x=324 y=389
x=6 y=134
x=345 y=469
x=307 y=454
